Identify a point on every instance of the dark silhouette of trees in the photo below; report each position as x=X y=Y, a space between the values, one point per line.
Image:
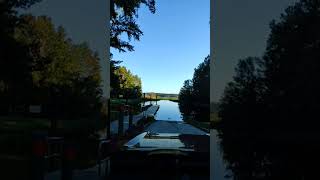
x=185 y=97
x=292 y=66
x=66 y=75
x=114 y=78
x=41 y=65
x=268 y=112
x=194 y=96
x=123 y=20
x=243 y=98
x=15 y=61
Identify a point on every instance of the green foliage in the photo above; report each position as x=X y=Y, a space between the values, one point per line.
x=194 y=96
x=51 y=52
x=62 y=76
x=127 y=84
x=123 y=21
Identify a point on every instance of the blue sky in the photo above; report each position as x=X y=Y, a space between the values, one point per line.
x=175 y=41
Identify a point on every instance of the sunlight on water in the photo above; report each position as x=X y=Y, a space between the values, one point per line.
x=169 y=111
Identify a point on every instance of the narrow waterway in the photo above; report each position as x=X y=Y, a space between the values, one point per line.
x=169 y=120
x=169 y=110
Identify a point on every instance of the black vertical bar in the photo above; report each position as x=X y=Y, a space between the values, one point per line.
x=130 y=117
x=120 y=124
x=38 y=155
x=68 y=162
x=109 y=119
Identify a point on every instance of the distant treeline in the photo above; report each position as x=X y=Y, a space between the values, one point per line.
x=153 y=95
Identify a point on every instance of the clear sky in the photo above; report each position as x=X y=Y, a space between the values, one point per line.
x=175 y=41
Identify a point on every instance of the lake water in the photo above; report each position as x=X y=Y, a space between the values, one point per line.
x=169 y=111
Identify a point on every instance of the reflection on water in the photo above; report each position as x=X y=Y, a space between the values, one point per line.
x=168 y=111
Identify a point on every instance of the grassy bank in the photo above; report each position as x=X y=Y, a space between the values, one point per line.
x=162 y=98
x=205 y=126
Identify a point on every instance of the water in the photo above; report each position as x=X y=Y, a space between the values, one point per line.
x=169 y=111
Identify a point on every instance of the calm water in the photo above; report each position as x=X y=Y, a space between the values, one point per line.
x=168 y=111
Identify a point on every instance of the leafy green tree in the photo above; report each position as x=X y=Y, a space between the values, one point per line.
x=129 y=84
x=124 y=15
x=51 y=51
x=65 y=76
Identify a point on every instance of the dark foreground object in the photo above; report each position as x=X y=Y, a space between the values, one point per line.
x=163 y=156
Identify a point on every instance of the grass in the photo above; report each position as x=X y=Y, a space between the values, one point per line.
x=23 y=124
x=123 y=101
x=175 y=99
x=115 y=105
x=18 y=124
x=205 y=126
x=214 y=120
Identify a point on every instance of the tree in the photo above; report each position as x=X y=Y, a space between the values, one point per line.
x=194 y=96
x=239 y=106
x=65 y=76
x=185 y=97
x=114 y=78
x=53 y=62
x=129 y=84
x=201 y=87
x=275 y=96
x=15 y=76
x=292 y=67
x=123 y=20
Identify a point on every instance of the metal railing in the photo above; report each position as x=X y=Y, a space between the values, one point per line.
x=53 y=156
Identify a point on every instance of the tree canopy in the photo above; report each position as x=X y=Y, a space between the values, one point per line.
x=124 y=15
x=126 y=83
x=273 y=97
x=41 y=65
x=194 y=96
